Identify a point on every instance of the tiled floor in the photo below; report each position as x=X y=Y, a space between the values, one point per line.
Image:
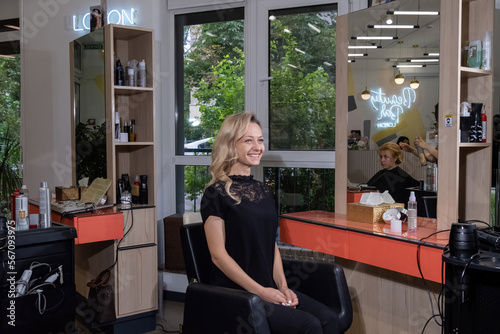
x=170 y=320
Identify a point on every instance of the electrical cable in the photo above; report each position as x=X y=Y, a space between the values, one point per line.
x=126 y=233
x=433 y=316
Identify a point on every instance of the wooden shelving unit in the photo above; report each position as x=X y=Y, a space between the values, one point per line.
x=464 y=179
x=135 y=275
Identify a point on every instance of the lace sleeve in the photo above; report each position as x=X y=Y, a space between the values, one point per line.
x=212 y=203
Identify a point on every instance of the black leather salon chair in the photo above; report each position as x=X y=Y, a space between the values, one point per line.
x=213 y=309
x=430 y=206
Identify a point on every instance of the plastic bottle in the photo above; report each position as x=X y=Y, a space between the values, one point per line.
x=118 y=73
x=131 y=133
x=465 y=122
x=21 y=205
x=143 y=190
x=22 y=223
x=45 y=210
x=117 y=126
x=13 y=204
x=486 y=63
x=412 y=213
x=141 y=74
x=484 y=123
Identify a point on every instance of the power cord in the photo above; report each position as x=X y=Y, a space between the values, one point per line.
x=434 y=315
x=163 y=329
x=126 y=233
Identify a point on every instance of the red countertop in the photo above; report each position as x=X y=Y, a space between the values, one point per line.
x=373 y=244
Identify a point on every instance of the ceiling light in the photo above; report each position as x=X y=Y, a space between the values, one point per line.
x=410 y=65
x=411 y=12
x=313 y=27
x=425 y=60
x=364 y=47
x=388 y=19
x=374 y=37
x=414 y=83
x=351 y=61
x=357 y=54
x=399 y=79
x=432 y=54
x=393 y=26
x=365 y=95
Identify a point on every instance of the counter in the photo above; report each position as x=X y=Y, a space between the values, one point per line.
x=381 y=269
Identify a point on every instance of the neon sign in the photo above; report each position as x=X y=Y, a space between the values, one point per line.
x=115 y=16
x=390 y=107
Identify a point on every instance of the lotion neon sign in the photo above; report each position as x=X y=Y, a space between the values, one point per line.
x=390 y=107
x=115 y=16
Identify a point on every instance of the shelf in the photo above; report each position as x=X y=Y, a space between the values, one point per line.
x=138 y=143
x=474 y=145
x=473 y=72
x=127 y=90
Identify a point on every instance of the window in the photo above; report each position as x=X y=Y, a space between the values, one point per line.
x=302 y=89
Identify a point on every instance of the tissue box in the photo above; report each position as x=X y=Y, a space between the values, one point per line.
x=369 y=213
x=66 y=193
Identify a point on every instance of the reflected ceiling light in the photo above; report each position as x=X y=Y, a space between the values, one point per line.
x=414 y=83
x=327 y=63
x=423 y=60
x=211 y=35
x=374 y=37
x=399 y=79
x=393 y=26
x=6 y=56
x=388 y=19
x=188 y=59
x=432 y=54
x=12 y=27
x=364 y=47
x=411 y=12
x=357 y=54
x=272 y=18
x=287 y=31
x=410 y=65
x=365 y=95
x=299 y=50
x=313 y=28
x=292 y=65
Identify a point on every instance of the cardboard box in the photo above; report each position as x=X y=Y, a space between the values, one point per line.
x=67 y=193
x=369 y=213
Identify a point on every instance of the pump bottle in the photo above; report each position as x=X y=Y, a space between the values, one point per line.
x=484 y=123
x=412 y=213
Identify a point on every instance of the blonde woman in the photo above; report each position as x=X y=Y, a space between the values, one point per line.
x=391 y=177
x=241 y=222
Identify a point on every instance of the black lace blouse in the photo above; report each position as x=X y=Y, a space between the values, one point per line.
x=250 y=227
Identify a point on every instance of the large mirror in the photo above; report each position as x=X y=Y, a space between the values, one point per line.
x=88 y=96
x=387 y=109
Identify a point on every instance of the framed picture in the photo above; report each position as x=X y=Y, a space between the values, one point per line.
x=372 y=3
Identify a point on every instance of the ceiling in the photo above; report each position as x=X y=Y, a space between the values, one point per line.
x=411 y=43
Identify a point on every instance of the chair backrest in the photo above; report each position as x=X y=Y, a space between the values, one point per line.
x=196 y=254
x=430 y=205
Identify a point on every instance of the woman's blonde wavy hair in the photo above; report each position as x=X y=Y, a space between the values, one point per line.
x=394 y=148
x=224 y=154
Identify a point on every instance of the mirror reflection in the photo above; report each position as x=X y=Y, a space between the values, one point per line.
x=393 y=88
x=89 y=117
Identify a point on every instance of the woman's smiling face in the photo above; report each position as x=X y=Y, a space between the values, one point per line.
x=250 y=148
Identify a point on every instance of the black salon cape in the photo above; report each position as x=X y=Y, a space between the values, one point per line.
x=395 y=181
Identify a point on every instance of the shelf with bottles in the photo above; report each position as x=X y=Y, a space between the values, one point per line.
x=132 y=43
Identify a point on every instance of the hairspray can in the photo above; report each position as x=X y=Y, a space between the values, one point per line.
x=45 y=210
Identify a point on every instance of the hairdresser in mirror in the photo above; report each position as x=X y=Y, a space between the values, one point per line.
x=391 y=177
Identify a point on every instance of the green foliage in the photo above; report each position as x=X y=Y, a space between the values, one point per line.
x=10 y=153
x=90 y=142
x=195 y=180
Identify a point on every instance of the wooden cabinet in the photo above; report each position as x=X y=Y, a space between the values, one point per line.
x=464 y=176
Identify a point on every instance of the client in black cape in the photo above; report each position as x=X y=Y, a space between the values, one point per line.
x=392 y=177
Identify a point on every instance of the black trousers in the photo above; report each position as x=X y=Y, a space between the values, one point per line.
x=310 y=317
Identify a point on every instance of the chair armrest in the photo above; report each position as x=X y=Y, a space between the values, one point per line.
x=226 y=310
x=324 y=282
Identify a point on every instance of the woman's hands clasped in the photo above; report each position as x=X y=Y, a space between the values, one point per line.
x=284 y=296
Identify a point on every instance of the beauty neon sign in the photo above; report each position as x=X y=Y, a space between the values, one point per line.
x=115 y=16
x=390 y=107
